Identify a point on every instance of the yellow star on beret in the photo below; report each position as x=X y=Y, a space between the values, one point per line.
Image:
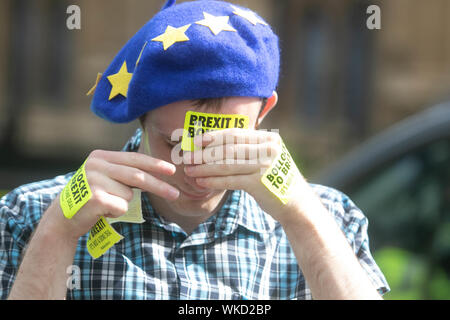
x=172 y=35
x=249 y=15
x=120 y=82
x=216 y=24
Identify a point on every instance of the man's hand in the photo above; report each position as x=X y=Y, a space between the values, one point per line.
x=235 y=159
x=111 y=175
x=323 y=253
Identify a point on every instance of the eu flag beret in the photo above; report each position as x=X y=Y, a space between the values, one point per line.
x=193 y=50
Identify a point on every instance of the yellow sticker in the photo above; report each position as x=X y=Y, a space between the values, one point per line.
x=197 y=123
x=134 y=213
x=102 y=237
x=97 y=80
x=282 y=176
x=75 y=194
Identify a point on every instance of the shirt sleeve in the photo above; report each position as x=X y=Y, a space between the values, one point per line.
x=20 y=213
x=12 y=242
x=354 y=225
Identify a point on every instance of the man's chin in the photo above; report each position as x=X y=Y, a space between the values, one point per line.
x=199 y=204
x=195 y=196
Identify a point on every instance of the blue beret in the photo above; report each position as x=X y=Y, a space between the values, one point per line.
x=193 y=50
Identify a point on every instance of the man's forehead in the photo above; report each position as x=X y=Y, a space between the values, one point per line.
x=168 y=118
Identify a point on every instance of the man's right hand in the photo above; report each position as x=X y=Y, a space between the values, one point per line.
x=111 y=176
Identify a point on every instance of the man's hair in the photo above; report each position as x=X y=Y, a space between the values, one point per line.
x=207 y=104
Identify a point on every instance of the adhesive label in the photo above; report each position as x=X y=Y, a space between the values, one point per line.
x=75 y=194
x=197 y=123
x=134 y=213
x=101 y=238
x=282 y=176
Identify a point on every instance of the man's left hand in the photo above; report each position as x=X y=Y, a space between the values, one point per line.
x=236 y=159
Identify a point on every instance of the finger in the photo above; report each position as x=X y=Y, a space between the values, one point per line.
x=111 y=205
x=134 y=177
x=137 y=160
x=234 y=154
x=225 y=183
x=221 y=152
x=111 y=186
x=226 y=136
x=215 y=170
x=230 y=151
x=236 y=136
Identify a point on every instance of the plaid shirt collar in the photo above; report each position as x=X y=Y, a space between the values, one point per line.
x=233 y=213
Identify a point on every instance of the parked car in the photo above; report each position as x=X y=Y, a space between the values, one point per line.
x=401 y=181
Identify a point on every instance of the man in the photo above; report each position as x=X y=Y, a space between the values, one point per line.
x=212 y=229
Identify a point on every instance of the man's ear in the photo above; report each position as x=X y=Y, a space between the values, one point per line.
x=271 y=103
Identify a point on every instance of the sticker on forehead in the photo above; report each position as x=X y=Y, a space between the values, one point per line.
x=197 y=123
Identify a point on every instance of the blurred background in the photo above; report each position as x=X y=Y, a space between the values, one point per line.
x=364 y=111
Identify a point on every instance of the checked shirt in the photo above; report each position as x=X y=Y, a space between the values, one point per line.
x=239 y=253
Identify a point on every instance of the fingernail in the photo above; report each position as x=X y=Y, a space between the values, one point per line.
x=174 y=193
x=171 y=168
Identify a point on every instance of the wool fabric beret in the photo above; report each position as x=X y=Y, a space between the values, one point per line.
x=187 y=51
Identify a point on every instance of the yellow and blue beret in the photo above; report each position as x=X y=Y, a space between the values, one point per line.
x=193 y=50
